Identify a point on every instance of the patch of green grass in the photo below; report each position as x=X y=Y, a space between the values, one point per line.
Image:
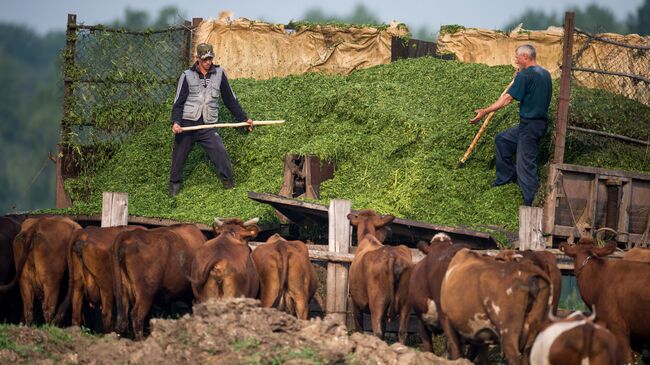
x=56 y=335
x=6 y=342
x=246 y=344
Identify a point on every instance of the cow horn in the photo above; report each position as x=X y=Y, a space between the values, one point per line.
x=218 y=221
x=251 y=221
x=551 y=316
x=605 y=229
x=592 y=317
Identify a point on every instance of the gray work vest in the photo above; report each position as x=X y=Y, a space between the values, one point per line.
x=203 y=101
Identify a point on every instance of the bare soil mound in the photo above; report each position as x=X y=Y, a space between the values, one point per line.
x=236 y=331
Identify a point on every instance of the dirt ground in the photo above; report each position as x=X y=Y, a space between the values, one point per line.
x=236 y=331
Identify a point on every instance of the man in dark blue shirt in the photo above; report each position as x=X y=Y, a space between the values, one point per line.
x=532 y=87
x=196 y=103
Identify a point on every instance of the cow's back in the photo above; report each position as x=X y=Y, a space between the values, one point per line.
x=638 y=254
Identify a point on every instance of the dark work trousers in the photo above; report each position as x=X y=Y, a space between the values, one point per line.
x=211 y=143
x=521 y=140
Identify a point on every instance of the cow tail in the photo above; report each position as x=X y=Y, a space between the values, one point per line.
x=280 y=302
x=587 y=338
x=27 y=241
x=392 y=309
x=117 y=256
x=539 y=303
x=75 y=246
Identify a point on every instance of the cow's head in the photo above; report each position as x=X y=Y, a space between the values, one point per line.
x=438 y=240
x=236 y=228
x=587 y=246
x=368 y=222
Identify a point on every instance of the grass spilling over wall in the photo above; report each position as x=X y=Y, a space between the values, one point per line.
x=396 y=133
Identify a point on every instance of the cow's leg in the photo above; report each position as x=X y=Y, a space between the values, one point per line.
x=453 y=340
x=623 y=338
x=269 y=291
x=50 y=299
x=425 y=335
x=77 y=302
x=139 y=313
x=358 y=317
x=301 y=305
x=378 y=307
x=27 y=294
x=107 y=309
x=403 y=322
x=510 y=346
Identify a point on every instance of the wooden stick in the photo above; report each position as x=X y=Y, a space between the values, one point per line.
x=225 y=125
x=480 y=131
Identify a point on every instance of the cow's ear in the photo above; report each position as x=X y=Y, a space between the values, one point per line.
x=386 y=219
x=423 y=247
x=604 y=251
x=251 y=231
x=568 y=249
x=354 y=218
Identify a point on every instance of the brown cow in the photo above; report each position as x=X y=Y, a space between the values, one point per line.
x=575 y=340
x=41 y=263
x=378 y=276
x=288 y=280
x=10 y=306
x=223 y=267
x=618 y=288
x=424 y=284
x=90 y=272
x=545 y=261
x=638 y=254
x=148 y=263
x=484 y=299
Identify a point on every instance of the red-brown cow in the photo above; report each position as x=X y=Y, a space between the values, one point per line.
x=545 y=261
x=575 y=340
x=484 y=299
x=425 y=282
x=10 y=306
x=148 y=263
x=41 y=263
x=90 y=273
x=288 y=280
x=617 y=288
x=223 y=267
x=638 y=254
x=378 y=277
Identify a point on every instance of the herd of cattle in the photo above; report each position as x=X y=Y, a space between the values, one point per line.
x=474 y=299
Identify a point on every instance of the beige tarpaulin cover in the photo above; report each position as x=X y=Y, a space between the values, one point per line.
x=496 y=48
x=259 y=50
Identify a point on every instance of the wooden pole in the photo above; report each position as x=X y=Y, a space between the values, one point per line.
x=337 y=273
x=62 y=200
x=232 y=125
x=115 y=209
x=530 y=228
x=186 y=49
x=565 y=88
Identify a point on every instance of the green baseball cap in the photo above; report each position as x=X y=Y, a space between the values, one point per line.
x=204 y=50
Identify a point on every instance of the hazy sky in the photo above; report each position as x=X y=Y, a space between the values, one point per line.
x=45 y=15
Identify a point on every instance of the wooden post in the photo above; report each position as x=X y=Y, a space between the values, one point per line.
x=530 y=228
x=186 y=49
x=62 y=200
x=550 y=203
x=337 y=273
x=565 y=88
x=115 y=209
x=195 y=24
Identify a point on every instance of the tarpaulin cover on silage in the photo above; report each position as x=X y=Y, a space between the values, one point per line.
x=258 y=50
x=495 y=48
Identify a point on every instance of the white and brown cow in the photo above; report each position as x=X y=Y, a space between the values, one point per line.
x=486 y=300
x=575 y=340
x=620 y=290
x=378 y=277
x=288 y=280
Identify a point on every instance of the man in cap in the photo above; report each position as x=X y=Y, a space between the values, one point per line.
x=197 y=102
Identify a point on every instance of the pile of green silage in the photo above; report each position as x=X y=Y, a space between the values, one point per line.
x=396 y=133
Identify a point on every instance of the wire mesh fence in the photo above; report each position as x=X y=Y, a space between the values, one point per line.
x=117 y=81
x=622 y=67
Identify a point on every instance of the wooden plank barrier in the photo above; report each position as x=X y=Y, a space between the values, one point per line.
x=337 y=272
